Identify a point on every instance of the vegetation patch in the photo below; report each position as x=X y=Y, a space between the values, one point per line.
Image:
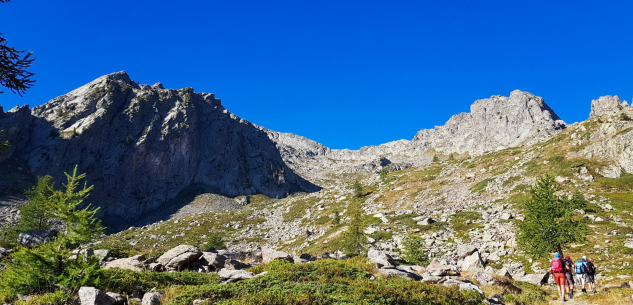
x=324 y=282
x=464 y=221
x=480 y=186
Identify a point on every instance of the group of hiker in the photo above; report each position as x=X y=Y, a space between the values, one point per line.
x=563 y=270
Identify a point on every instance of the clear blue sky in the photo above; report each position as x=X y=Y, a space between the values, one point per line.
x=344 y=73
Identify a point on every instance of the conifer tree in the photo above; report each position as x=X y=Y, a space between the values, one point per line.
x=34 y=214
x=13 y=65
x=354 y=238
x=3 y=145
x=550 y=221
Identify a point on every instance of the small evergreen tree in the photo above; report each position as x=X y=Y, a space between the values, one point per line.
x=34 y=214
x=50 y=264
x=383 y=174
x=436 y=159
x=413 y=251
x=3 y=145
x=358 y=189
x=354 y=238
x=550 y=222
x=81 y=224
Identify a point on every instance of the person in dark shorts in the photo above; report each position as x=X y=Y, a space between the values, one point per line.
x=568 y=264
x=590 y=276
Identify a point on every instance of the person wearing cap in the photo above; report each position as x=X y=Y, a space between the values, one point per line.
x=568 y=264
x=558 y=270
x=590 y=275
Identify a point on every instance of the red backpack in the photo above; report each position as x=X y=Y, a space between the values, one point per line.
x=557 y=265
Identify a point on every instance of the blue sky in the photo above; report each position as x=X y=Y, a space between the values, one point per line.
x=344 y=73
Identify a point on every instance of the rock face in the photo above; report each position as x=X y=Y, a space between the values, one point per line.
x=269 y=255
x=134 y=263
x=607 y=105
x=493 y=124
x=142 y=145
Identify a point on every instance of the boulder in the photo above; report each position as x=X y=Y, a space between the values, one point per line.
x=536 y=279
x=483 y=278
x=433 y=279
x=472 y=262
x=93 y=296
x=463 y=285
x=152 y=298
x=398 y=273
x=156 y=267
x=426 y=221
x=232 y=264
x=179 y=257
x=231 y=276
x=134 y=263
x=381 y=259
x=35 y=237
x=269 y=255
x=119 y=299
x=629 y=243
x=214 y=260
x=101 y=254
x=504 y=272
x=465 y=250
x=435 y=268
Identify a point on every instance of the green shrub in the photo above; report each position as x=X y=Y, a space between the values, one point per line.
x=481 y=185
x=58 y=297
x=216 y=241
x=324 y=282
x=413 y=251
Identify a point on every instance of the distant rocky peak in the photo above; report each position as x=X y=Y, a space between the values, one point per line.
x=494 y=123
x=607 y=105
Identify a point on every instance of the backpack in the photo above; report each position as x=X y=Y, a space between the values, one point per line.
x=556 y=265
x=591 y=269
x=569 y=265
x=580 y=268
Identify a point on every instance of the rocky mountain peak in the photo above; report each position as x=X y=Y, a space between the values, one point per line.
x=495 y=123
x=607 y=105
x=142 y=145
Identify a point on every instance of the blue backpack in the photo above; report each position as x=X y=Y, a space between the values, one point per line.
x=580 y=268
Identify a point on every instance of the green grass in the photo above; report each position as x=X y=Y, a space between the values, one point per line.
x=624 y=183
x=323 y=282
x=480 y=186
x=459 y=222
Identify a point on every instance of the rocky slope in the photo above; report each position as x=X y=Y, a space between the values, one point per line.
x=142 y=145
x=493 y=124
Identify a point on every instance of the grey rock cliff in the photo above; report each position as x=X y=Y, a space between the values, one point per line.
x=142 y=145
x=493 y=124
x=607 y=105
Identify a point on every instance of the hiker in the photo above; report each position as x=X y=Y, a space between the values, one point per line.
x=586 y=270
x=591 y=274
x=568 y=264
x=557 y=269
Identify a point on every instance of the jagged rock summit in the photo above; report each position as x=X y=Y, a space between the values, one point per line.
x=493 y=124
x=142 y=145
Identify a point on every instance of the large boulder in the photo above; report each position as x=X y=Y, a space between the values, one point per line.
x=472 y=262
x=231 y=276
x=152 y=298
x=536 y=279
x=269 y=255
x=381 y=259
x=214 y=260
x=93 y=296
x=483 y=278
x=398 y=273
x=35 y=237
x=179 y=257
x=134 y=263
x=436 y=268
x=463 y=285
